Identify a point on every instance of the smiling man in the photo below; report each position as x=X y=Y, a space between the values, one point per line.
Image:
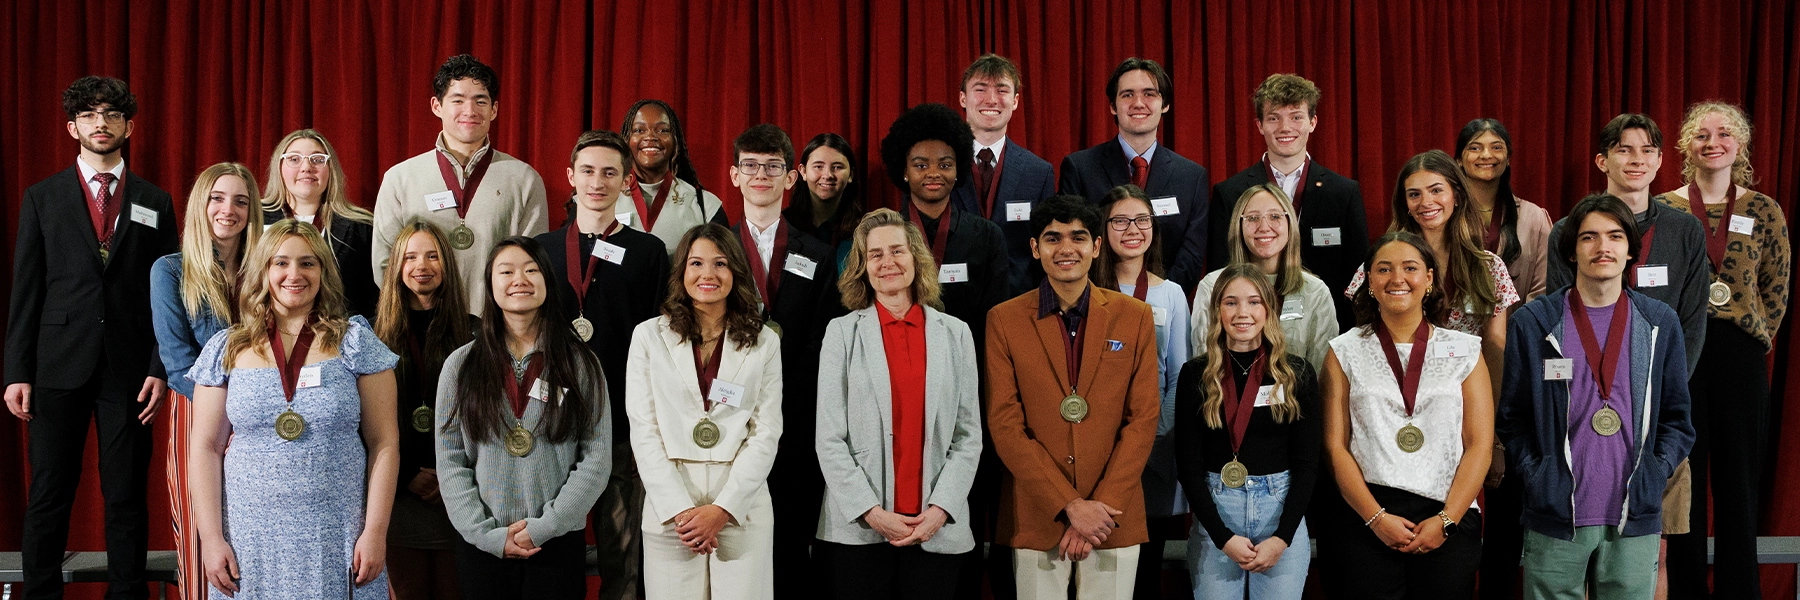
x=1334 y=229
x=1009 y=180
x=1139 y=93
x=1596 y=393
x=474 y=193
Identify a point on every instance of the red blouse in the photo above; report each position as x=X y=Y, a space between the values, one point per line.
x=904 y=342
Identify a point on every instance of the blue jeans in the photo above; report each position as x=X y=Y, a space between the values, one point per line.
x=1252 y=511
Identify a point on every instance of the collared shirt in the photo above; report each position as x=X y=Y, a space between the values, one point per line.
x=1073 y=318
x=1289 y=182
x=464 y=169
x=1149 y=153
x=88 y=172
x=999 y=149
x=903 y=339
x=765 y=240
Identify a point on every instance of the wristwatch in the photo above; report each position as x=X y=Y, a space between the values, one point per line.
x=1450 y=527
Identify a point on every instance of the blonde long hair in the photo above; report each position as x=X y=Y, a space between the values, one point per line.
x=1288 y=270
x=255 y=306
x=205 y=286
x=1211 y=379
x=335 y=203
x=1735 y=121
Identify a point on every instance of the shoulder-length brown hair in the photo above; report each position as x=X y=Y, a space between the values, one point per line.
x=1104 y=273
x=853 y=284
x=743 y=322
x=256 y=307
x=1288 y=269
x=1462 y=276
x=205 y=286
x=1217 y=356
x=1434 y=303
x=449 y=329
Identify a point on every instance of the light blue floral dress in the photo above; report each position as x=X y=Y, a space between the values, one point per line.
x=293 y=509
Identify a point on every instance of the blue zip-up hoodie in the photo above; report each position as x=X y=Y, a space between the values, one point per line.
x=1534 y=414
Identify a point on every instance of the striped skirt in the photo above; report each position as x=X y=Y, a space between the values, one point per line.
x=190 y=572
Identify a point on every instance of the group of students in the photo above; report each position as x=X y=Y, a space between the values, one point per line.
x=995 y=387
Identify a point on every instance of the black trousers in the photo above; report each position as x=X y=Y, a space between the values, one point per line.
x=1730 y=391
x=1503 y=539
x=882 y=571
x=795 y=489
x=984 y=519
x=558 y=571
x=1360 y=566
x=58 y=431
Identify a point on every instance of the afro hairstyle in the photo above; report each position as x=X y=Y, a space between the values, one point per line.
x=923 y=123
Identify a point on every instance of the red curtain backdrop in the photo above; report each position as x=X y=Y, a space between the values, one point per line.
x=219 y=80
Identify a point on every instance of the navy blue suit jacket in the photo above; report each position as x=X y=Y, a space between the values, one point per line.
x=1024 y=178
x=1093 y=172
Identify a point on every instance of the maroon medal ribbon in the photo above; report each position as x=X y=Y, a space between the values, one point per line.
x=1238 y=419
x=464 y=193
x=107 y=217
x=1415 y=363
x=768 y=280
x=1141 y=291
x=1072 y=342
x=1602 y=362
x=993 y=189
x=943 y=232
x=1716 y=237
x=516 y=388
x=290 y=365
x=1644 y=249
x=709 y=371
x=651 y=211
x=572 y=257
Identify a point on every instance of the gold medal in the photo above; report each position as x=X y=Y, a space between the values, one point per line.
x=1605 y=421
x=706 y=434
x=421 y=419
x=1074 y=408
x=104 y=254
x=290 y=425
x=1410 y=439
x=1234 y=474
x=584 y=328
x=1718 y=293
x=519 y=441
x=462 y=237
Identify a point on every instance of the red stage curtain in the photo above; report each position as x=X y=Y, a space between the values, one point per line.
x=224 y=80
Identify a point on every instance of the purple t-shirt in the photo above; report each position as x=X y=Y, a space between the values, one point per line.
x=1600 y=462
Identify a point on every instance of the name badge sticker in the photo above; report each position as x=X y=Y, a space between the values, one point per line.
x=623 y=217
x=1165 y=206
x=609 y=252
x=726 y=393
x=800 y=265
x=143 y=215
x=540 y=391
x=440 y=200
x=1742 y=224
x=1018 y=211
x=1161 y=315
x=1453 y=350
x=1559 y=369
x=309 y=377
x=1327 y=236
x=1649 y=276
x=953 y=273
x=1269 y=395
x=1291 y=310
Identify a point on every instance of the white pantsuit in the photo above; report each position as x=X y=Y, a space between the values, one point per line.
x=664 y=406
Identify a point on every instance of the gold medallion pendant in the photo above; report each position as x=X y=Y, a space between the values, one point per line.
x=290 y=425
x=1605 y=421
x=1235 y=474
x=421 y=419
x=519 y=441
x=462 y=238
x=1718 y=293
x=1410 y=439
x=706 y=434
x=584 y=328
x=1074 y=408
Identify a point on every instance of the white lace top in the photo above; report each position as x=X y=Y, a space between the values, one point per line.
x=1377 y=411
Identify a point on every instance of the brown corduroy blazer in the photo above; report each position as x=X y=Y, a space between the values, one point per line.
x=1049 y=461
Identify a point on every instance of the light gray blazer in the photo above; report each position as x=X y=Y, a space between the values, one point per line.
x=854 y=436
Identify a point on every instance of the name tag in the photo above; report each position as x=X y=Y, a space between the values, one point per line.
x=1165 y=206
x=1649 y=276
x=1269 y=395
x=800 y=265
x=309 y=377
x=1292 y=311
x=726 y=393
x=623 y=217
x=953 y=273
x=1018 y=211
x=1161 y=315
x=1453 y=350
x=540 y=391
x=609 y=252
x=1741 y=224
x=440 y=200
x=1559 y=369
x=143 y=215
x=1328 y=236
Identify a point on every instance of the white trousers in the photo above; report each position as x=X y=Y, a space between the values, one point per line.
x=741 y=568
x=1105 y=575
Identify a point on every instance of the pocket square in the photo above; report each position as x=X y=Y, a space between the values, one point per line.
x=1114 y=345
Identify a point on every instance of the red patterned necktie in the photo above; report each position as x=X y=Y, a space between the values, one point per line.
x=1140 y=172
x=104 y=227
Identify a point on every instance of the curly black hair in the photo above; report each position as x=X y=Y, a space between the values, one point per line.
x=92 y=91
x=922 y=123
x=683 y=166
x=464 y=66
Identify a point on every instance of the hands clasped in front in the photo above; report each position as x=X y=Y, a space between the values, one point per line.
x=901 y=530
x=699 y=527
x=1090 y=523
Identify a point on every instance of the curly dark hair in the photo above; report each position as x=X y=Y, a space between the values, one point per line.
x=681 y=165
x=922 y=123
x=1436 y=306
x=743 y=321
x=92 y=91
x=464 y=66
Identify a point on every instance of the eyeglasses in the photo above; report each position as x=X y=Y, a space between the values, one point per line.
x=93 y=116
x=1275 y=219
x=1120 y=223
x=750 y=168
x=293 y=159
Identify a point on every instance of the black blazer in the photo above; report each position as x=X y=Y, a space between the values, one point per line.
x=1024 y=178
x=618 y=298
x=1331 y=200
x=802 y=307
x=1093 y=172
x=978 y=243
x=350 y=243
x=70 y=312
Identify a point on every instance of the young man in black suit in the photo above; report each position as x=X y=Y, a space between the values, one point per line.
x=796 y=279
x=78 y=343
x=1009 y=180
x=618 y=279
x=1140 y=92
x=1334 y=229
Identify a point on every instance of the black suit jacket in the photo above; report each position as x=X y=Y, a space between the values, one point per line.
x=1093 y=172
x=978 y=243
x=618 y=298
x=72 y=313
x=1024 y=178
x=1330 y=200
x=350 y=243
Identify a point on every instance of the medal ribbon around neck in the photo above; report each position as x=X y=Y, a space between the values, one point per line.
x=581 y=278
x=709 y=371
x=516 y=388
x=1415 y=362
x=1237 y=419
x=464 y=192
x=290 y=365
x=654 y=208
x=768 y=280
x=1141 y=291
x=1601 y=362
x=943 y=231
x=1716 y=237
